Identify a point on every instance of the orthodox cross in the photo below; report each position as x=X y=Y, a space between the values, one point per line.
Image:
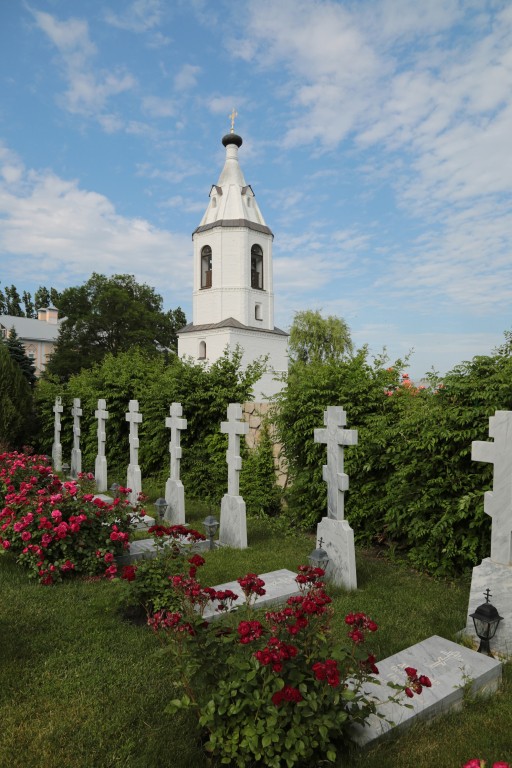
x=234 y=428
x=101 y=415
x=76 y=454
x=332 y=472
x=57 y=447
x=175 y=424
x=232 y=116
x=134 y=418
x=498 y=502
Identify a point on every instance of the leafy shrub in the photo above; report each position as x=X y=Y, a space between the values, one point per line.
x=413 y=485
x=148 y=582
x=258 y=484
x=203 y=392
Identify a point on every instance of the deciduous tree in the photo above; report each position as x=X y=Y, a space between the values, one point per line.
x=110 y=314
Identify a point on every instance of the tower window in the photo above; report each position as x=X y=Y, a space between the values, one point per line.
x=256 y=267
x=257 y=312
x=206 y=267
x=202 y=350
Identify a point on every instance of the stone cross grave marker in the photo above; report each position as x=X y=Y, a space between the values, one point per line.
x=134 y=480
x=76 y=453
x=100 y=467
x=334 y=530
x=174 y=491
x=57 y=445
x=498 y=502
x=495 y=572
x=333 y=474
x=234 y=427
x=233 y=522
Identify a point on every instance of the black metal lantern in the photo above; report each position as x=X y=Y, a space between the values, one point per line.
x=65 y=468
x=115 y=488
x=161 y=507
x=486 y=619
x=319 y=557
x=210 y=525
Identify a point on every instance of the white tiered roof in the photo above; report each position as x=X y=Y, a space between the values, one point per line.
x=231 y=199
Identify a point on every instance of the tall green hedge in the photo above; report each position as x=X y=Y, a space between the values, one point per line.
x=413 y=486
x=203 y=392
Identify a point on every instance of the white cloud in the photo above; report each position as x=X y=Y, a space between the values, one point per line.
x=55 y=229
x=88 y=90
x=391 y=75
x=139 y=16
x=184 y=204
x=186 y=78
x=158 y=106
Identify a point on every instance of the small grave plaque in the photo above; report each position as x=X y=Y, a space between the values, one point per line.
x=279 y=586
x=449 y=666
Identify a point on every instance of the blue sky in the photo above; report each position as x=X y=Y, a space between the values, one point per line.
x=377 y=139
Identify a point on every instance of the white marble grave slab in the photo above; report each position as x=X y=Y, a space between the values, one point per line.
x=142 y=524
x=146 y=549
x=449 y=666
x=498 y=578
x=279 y=586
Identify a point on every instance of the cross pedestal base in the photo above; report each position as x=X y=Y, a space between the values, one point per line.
x=498 y=578
x=338 y=541
x=175 y=498
x=233 y=522
x=100 y=473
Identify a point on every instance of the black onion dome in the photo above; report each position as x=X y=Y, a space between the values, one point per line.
x=232 y=138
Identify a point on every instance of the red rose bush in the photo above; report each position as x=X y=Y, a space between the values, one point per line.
x=270 y=688
x=56 y=528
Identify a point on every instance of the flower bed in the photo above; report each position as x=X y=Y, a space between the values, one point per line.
x=57 y=528
x=270 y=688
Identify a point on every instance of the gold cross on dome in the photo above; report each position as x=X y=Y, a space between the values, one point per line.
x=232 y=118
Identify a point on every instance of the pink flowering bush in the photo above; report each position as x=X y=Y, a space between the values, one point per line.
x=54 y=527
x=483 y=764
x=271 y=688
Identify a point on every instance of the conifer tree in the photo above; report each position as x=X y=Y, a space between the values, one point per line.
x=16 y=414
x=20 y=357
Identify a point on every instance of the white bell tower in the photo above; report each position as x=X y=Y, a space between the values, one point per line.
x=233 y=297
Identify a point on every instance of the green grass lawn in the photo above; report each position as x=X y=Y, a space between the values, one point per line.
x=80 y=687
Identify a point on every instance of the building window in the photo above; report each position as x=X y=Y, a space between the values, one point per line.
x=257 y=312
x=206 y=267
x=202 y=350
x=256 y=267
x=214 y=202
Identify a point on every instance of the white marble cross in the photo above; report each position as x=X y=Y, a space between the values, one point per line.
x=134 y=480
x=175 y=423
x=134 y=418
x=332 y=472
x=234 y=428
x=76 y=453
x=57 y=446
x=100 y=468
x=101 y=415
x=498 y=502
